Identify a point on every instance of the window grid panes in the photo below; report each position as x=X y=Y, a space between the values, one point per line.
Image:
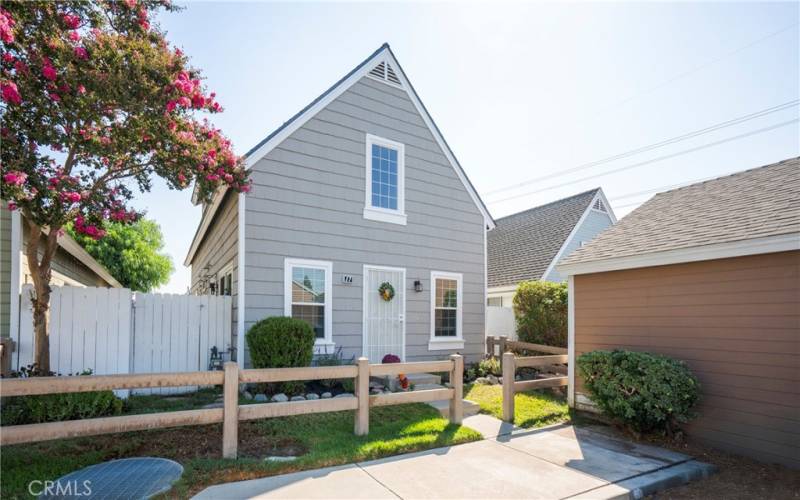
x=308 y=297
x=446 y=308
x=384 y=177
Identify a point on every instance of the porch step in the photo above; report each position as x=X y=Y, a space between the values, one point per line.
x=424 y=378
x=470 y=408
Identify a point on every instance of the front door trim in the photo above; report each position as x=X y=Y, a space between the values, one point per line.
x=364 y=283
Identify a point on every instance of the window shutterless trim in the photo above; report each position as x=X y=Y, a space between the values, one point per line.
x=288 y=264
x=447 y=343
x=379 y=213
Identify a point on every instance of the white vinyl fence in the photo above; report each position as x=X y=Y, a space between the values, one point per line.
x=112 y=331
x=500 y=322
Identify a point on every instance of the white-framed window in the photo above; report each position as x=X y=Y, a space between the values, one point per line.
x=385 y=180
x=446 y=311
x=308 y=295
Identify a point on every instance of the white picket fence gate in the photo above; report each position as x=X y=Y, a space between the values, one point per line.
x=113 y=331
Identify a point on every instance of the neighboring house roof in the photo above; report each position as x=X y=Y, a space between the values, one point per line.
x=384 y=54
x=524 y=246
x=749 y=212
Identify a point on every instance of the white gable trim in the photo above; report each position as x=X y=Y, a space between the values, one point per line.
x=577 y=226
x=382 y=55
x=205 y=222
x=756 y=246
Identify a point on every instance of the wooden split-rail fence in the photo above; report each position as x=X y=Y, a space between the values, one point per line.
x=555 y=361
x=231 y=413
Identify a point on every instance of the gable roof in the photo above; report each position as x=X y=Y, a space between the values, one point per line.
x=711 y=219
x=383 y=55
x=523 y=246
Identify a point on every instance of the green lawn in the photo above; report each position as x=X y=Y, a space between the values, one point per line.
x=321 y=440
x=531 y=409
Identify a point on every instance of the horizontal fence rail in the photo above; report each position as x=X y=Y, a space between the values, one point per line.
x=504 y=345
x=231 y=413
x=512 y=386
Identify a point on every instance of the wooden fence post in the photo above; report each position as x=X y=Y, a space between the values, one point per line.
x=503 y=340
x=457 y=381
x=362 y=393
x=490 y=346
x=509 y=371
x=230 y=423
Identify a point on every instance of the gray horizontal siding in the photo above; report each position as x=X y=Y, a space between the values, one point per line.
x=219 y=249
x=308 y=199
x=594 y=223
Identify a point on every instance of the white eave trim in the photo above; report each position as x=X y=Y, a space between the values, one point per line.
x=503 y=289
x=599 y=195
x=382 y=55
x=756 y=246
x=205 y=222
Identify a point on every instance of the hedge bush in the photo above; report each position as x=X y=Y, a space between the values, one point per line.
x=540 y=308
x=281 y=342
x=19 y=410
x=646 y=392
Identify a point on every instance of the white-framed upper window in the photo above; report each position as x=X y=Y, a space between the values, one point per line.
x=223 y=284
x=308 y=295
x=385 y=180
x=446 y=311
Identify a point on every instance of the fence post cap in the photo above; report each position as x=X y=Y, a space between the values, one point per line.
x=508 y=355
x=363 y=359
x=455 y=356
x=228 y=363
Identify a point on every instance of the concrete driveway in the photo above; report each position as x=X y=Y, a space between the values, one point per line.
x=553 y=462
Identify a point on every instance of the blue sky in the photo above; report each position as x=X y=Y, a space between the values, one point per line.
x=520 y=91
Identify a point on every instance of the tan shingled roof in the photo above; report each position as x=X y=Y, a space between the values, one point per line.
x=756 y=203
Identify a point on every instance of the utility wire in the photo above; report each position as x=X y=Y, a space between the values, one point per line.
x=698 y=68
x=650 y=147
x=653 y=160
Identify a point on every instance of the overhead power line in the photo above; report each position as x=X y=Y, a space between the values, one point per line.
x=650 y=147
x=653 y=160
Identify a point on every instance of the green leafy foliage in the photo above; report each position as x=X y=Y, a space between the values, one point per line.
x=646 y=392
x=541 y=311
x=489 y=366
x=336 y=358
x=281 y=342
x=19 y=410
x=131 y=253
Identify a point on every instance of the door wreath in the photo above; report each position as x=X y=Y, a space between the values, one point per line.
x=386 y=291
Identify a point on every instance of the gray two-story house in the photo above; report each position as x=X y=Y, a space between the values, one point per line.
x=360 y=221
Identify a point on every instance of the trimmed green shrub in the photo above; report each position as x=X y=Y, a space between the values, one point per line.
x=645 y=392
x=281 y=342
x=540 y=308
x=489 y=366
x=19 y=410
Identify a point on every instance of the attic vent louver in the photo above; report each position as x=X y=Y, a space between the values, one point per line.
x=598 y=205
x=385 y=72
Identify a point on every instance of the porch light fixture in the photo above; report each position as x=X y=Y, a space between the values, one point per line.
x=418 y=286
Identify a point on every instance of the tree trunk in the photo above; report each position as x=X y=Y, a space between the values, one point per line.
x=40 y=267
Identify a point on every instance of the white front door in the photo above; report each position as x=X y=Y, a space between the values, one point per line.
x=384 y=320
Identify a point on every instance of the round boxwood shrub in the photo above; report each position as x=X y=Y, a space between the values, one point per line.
x=281 y=342
x=645 y=392
x=540 y=308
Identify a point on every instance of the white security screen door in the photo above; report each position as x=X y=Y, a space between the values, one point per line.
x=384 y=320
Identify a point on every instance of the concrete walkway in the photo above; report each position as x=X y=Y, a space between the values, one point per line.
x=553 y=462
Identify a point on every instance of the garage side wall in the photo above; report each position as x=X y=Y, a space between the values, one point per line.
x=736 y=322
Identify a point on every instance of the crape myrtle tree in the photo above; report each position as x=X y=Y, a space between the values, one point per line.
x=95 y=104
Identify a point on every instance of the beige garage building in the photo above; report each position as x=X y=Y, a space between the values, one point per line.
x=710 y=274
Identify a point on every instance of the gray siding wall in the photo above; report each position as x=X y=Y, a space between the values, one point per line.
x=5 y=269
x=66 y=269
x=308 y=200
x=220 y=249
x=592 y=225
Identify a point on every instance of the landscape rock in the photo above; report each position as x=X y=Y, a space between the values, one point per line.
x=298 y=398
x=247 y=395
x=261 y=398
x=492 y=379
x=345 y=395
x=326 y=395
x=311 y=395
x=482 y=381
x=280 y=398
x=280 y=459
